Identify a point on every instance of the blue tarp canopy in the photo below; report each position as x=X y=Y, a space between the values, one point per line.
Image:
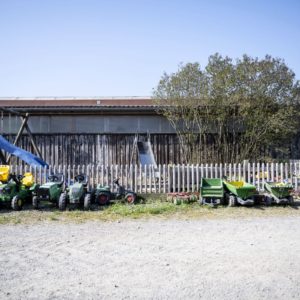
x=22 y=154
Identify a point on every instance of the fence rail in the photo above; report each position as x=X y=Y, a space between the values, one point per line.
x=169 y=178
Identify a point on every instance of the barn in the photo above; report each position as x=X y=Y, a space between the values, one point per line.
x=97 y=130
x=91 y=130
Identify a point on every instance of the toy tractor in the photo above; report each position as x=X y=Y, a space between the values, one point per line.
x=103 y=194
x=49 y=191
x=76 y=194
x=15 y=190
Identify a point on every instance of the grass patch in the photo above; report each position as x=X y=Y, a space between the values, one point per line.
x=151 y=207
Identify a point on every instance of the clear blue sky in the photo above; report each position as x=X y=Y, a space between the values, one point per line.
x=121 y=48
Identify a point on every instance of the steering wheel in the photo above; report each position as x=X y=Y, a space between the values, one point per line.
x=116 y=181
x=53 y=178
x=79 y=178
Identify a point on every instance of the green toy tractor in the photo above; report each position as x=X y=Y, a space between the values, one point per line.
x=49 y=191
x=16 y=190
x=76 y=194
x=103 y=194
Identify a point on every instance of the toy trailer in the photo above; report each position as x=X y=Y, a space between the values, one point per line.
x=278 y=193
x=211 y=191
x=240 y=192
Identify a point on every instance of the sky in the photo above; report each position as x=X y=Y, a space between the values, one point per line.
x=122 y=47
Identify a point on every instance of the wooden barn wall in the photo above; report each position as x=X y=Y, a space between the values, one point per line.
x=99 y=149
x=108 y=149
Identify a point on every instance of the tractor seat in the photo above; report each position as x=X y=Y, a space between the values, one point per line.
x=4 y=173
x=27 y=180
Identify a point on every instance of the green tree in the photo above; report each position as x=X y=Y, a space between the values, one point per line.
x=233 y=110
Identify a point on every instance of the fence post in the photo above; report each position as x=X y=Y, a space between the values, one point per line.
x=164 y=178
x=263 y=175
x=173 y=178
x=193 y=178
x=169 y=177
x=141 y=178
x=234 y=171
x=258 y=176
x=159 y=179
x=178 y=178
x=145 y=179
x=197 y=177
x=188 y=177
x=150 y=177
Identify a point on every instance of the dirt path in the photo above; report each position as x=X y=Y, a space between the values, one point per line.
x=255 y=258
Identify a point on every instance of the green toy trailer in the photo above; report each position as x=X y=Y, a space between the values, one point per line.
x=278 y=193
x=240 y=192
x=211 y=191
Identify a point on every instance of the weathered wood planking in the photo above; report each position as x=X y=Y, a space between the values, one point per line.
x=81 y=149
x=108 y=149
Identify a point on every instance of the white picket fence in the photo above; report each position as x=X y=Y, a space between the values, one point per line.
x=170 y=178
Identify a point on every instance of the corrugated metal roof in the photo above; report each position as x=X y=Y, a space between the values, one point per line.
x=77 y=102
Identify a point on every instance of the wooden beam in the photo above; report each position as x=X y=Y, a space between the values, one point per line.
x=26 y=126
x=11 y=111
x=25 y=119
x=35 y=147
x=2 y=158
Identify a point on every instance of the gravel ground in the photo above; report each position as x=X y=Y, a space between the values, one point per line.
x=254 y=258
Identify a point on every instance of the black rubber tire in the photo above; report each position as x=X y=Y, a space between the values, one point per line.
x=130 y=198
x=291 y=200
x=103 y=199
x=231 y=201
x=222 y=201
x=62 y=201
x=16 y=203
x=35 y=202
x=268 y=200
x=93 y=195
x=87 y=202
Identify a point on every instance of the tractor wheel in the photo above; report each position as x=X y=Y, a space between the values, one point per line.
x=130 y=198
x=16 y=203
x=62 y=201
x=35 y=202
x=222 y=201
x=93 y=193
x=87 y=202
x=103 y=199
x=291 y=200
x=268 y=200
x=231 y=201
